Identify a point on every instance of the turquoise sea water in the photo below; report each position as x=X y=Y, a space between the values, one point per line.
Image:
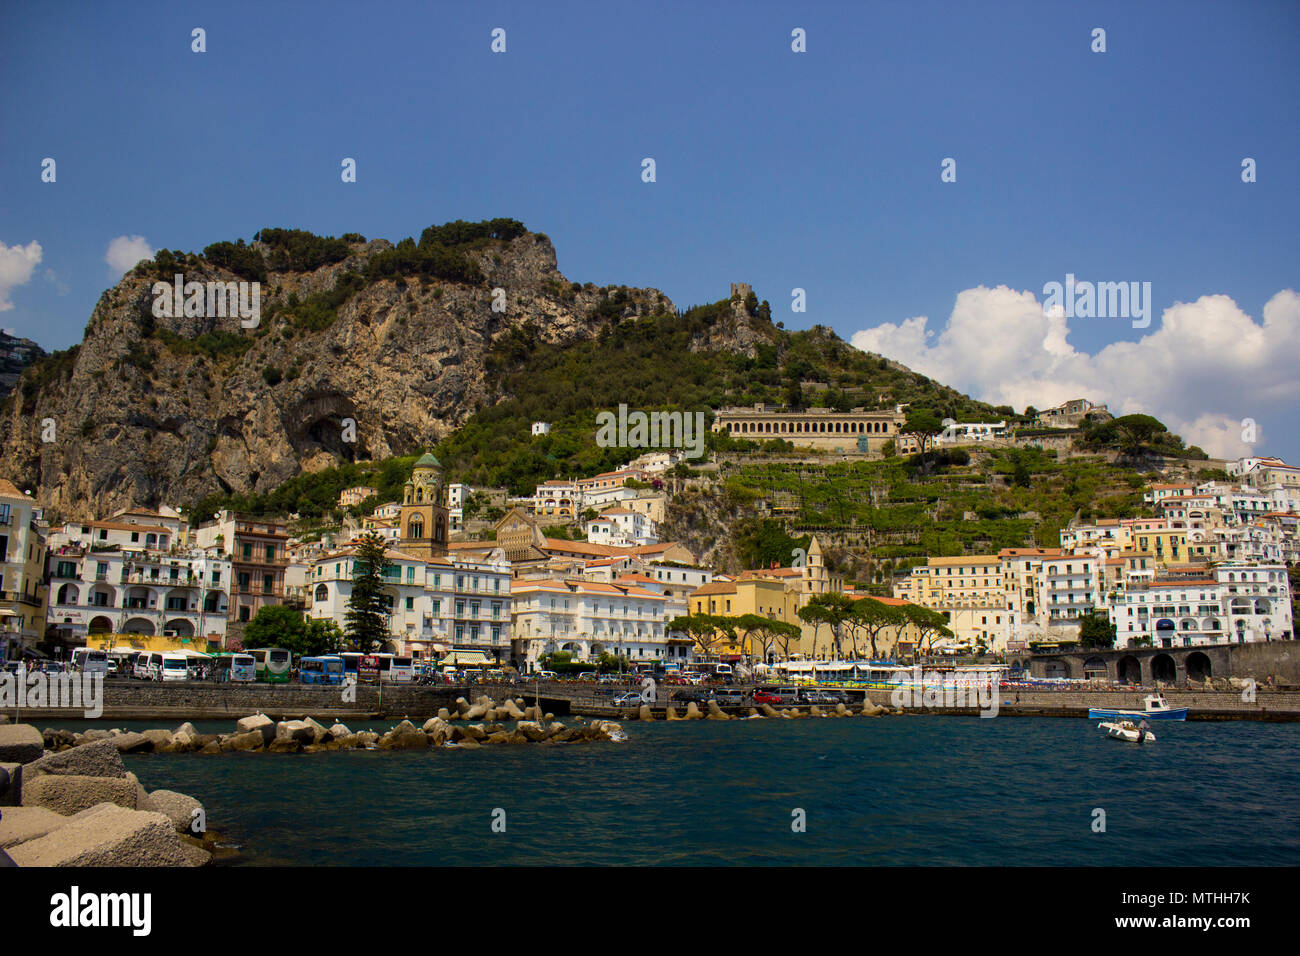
x=911 y=790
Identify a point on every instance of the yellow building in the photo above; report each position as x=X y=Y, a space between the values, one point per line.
x=24 y=595
x=154 y=642
x=969 y=590
x=1169 y=545
x=766 y=597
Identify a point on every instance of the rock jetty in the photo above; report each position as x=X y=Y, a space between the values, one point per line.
x=80 y=806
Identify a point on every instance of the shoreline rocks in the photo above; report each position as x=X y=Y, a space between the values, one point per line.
x=78 y=805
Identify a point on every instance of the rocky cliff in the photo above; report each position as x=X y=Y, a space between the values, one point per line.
x=154 y=410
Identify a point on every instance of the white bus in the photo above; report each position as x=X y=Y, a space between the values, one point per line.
x=393 y=668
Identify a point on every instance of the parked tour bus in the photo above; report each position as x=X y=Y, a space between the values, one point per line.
x=393 y=669
x=89 y=660
x=235 y=667
x=174 y=667
x=274 y=664
x=321 y=670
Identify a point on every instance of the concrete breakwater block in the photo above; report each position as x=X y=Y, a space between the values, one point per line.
x=179 y=808
x=245 y=741
x=20 y=743
x=437 y=730
x=261 y=723
x=70 y=794
x=405 y=736
x=98 y=759
x=20 y=824
x=296 y=730
x=693 y=711
x=716 y=713
x=109 y=835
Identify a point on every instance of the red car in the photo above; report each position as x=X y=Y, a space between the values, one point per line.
x=767 y=697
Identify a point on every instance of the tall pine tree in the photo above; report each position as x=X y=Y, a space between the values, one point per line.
x=368 y=610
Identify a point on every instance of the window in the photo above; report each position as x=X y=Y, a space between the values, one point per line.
x=248 y=552
x=270 y=553
x=410 y=604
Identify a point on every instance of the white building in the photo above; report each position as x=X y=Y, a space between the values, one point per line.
x=965 y=433
x=137 y=591
x=587 y=618
x=435 y=606
x=1256 y=602
x=541 y=428
x=621 y=527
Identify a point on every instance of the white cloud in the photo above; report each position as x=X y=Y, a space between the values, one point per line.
x=16 y=266
x=123 y=254
x=1205 y=368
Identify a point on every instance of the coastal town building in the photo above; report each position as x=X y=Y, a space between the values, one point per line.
x=968 y=433
x=435 y=606
x=100 y=591
x=621 y=526
x=1235 y=603
x=820 y=428
x=587 y=618
x=349 y=497
x=257 y=551
x=23 y=590
x=1072 y=414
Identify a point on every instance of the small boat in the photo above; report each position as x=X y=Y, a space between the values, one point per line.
x=1127 y=730
x=1155 y=707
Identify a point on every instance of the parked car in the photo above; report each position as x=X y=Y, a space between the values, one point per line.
x=587 y=677
x=820 y=697
x=697 y=694
x=729 y=697
x=767 y=697
x=628 y=700
x=547 y=675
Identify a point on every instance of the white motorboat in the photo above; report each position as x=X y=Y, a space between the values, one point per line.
x=1127 y=730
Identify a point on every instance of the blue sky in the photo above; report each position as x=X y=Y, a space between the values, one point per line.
x=818 y=170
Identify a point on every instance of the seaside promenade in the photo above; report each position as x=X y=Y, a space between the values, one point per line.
x=130 y=700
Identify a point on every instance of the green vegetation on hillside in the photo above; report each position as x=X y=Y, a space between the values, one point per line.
x=1007 y=498
x=647 y=363
x=317 y=494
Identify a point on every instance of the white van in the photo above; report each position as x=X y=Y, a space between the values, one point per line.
x=173 y=667
x=153 y=667
x=140 y=666
x=89 y=661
